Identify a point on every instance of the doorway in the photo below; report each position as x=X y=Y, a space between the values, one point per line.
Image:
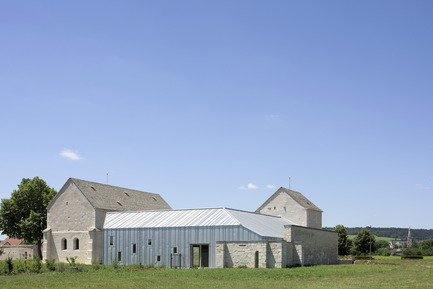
x=200 y=255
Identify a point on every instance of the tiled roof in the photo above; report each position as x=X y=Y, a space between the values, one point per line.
x=297 y=196
x=11 y=241
x=119 y=199
x=112 y=198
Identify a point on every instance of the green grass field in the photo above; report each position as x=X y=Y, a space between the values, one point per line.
x=384 y=272
x=351 y=237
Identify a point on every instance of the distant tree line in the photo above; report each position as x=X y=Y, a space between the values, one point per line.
x=394 y=233
x=365 y=243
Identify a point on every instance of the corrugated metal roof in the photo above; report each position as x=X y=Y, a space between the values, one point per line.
x=264 y=225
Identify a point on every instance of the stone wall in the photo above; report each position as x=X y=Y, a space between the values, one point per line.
x=19 y=252
x=241 y=253
x=253 y=254
x=312 y=246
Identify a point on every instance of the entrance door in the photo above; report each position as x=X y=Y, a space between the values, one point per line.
x=200 y=255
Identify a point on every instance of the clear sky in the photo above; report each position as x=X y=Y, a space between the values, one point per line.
x=218 y=103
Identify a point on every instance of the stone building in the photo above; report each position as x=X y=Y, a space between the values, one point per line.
x=75 y=218
x=15 y=249
x=294 y=207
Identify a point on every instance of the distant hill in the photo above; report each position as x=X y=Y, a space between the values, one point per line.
x=394 y=233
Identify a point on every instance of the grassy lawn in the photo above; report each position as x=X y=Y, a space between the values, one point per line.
x=384 y=272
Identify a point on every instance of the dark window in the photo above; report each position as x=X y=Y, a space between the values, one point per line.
x=134 y=248
x=158 y=258
x=149 y=242
x=119 y=256
x=111 y=240
x=76 y=244
x=64 y=244
x=174 y=250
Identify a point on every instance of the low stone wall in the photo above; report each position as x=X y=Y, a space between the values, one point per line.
x=312 y=246
x=19 y=252
x=241 y=253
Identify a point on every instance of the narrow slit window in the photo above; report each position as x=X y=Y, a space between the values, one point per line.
x=174 y=250
x=76 y=244
x=111 y=240
x=158 y=258
x=134 y=248
x=64 y=244
x=119 y=256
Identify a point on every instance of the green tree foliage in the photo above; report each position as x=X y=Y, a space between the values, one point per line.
x=382 y=244
x=344 y=244
x=24 y=215
x=362 y=242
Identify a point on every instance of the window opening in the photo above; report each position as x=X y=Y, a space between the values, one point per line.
x=256 y=259
x=158 y=258
x=67 y=203
x=119 y=256
x=64 y=244
x=134 y=248
x=111 y=240
x=76 y=244
x=149 y=242
x=174 y=250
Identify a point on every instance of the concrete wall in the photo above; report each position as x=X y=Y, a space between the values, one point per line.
x=312 y=246
x=19 y=252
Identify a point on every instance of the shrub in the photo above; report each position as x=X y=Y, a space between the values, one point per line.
x=51 y=266
x=383 y=252
x=9 y=265
x=116 y=264
x=242 y=266
x=71 y=261
x=412 y=252
x=36 y=265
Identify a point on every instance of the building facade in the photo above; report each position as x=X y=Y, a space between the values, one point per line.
x=76 y=216
x=214 y=238
x=294 y=207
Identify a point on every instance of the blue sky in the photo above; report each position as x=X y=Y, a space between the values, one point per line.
x=218 y=103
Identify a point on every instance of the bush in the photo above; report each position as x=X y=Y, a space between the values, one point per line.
x=383 y=252
x=51 y=266
x=9 y=265
x=412 y=252
x=71 y=261
x=35 y=265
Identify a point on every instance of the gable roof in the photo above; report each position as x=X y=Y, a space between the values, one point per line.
x=297 y=196
x=11 y=241
x=114 y=198
x=263 y=225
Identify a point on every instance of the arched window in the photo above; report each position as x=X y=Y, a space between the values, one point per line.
x=64 y=244
x=76 y=244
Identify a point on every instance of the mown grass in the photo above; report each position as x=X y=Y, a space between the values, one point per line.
x=384 y=272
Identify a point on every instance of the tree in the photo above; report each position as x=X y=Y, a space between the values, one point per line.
x=24 y=215
x=363 y=241
x=344 y=243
